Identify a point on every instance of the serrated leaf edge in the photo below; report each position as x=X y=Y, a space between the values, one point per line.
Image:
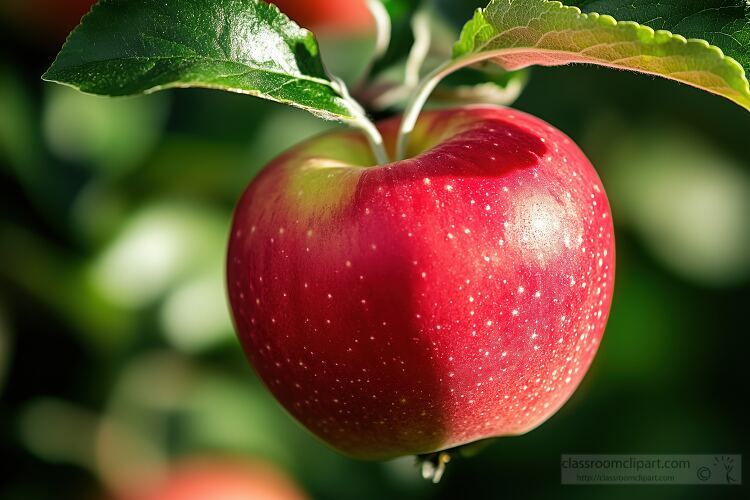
x=473 y=57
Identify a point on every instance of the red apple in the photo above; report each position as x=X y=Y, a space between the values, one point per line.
x=332 y=16
x=416 y=306
x=219 y=479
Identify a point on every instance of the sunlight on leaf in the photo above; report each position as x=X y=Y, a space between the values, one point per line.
x=516 y=34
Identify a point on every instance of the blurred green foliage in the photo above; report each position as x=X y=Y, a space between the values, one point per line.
x=116 y=349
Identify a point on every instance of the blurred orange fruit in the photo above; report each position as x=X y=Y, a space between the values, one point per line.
x=220 y=479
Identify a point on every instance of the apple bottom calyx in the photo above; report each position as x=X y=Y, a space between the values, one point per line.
x=433 y=465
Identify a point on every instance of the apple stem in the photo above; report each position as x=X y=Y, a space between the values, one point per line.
x=373 y=137
x=420 y=26
x=433 y=465
x=416 y=102
x=363 y=123
x=382 y=39
x=395 y=93
x=383 y=27
x=422 y=92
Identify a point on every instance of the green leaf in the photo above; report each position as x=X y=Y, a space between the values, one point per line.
x=125 y=47
x=520 y=33
x=724 y=23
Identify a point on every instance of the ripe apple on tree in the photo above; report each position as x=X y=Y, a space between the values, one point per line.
x=430 y=281
x=416 y=306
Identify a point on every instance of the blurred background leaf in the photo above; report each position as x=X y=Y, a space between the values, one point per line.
x=113 y=135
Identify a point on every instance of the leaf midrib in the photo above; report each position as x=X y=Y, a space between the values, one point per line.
x=299 y=76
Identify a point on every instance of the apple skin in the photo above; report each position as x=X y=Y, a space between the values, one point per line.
x=456 y=295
